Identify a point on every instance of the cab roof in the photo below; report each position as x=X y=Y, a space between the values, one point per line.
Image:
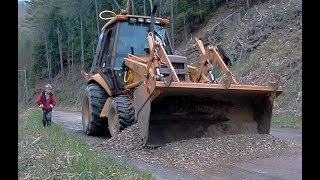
x=141 y=19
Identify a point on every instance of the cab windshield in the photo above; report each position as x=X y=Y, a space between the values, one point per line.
x=133 y=39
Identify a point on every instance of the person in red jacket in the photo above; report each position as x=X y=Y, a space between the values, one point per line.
x=46 y=101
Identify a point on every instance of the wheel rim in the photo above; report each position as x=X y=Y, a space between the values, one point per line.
x=113 y=122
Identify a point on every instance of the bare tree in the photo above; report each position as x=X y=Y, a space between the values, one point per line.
x=95 y=1
x=214 y=4
x=160 y=5
x=60 y=50
x=68 y=58
x=200 y=10
x=144 y=7
x=248 y=4
x=82 y=49
x=132 y=7
x=172 y=34
x=72 y=61
x=92 y=39
x=48 y=60
x=185 y=27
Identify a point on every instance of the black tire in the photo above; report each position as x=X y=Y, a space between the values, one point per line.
x=121 y=114
x=94 y=98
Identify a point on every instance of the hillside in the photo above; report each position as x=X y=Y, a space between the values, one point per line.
x=21 y=10
x=262 y=43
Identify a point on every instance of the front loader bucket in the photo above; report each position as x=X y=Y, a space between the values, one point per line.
x=192 y=110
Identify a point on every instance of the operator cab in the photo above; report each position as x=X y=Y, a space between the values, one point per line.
x=117 y=40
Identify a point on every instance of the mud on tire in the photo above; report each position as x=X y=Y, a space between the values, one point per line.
x=94 y=98
x=121 y=114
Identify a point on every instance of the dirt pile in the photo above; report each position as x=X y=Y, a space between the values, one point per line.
x=200 y=154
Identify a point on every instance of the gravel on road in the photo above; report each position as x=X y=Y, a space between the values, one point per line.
x=200 y=154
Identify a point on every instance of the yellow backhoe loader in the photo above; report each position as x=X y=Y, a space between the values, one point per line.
x=136 y=78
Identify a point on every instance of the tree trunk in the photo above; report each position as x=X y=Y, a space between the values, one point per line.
x=172 y=33
x=185 y=27
x=92 y=39
x=25 y=82
x=72 y=50
x=144 y=7
x=60 y=51
x=200 y=16
x=68 y=58
x=92 y=47
x=214 y=4
x=248 y=4
x=72 y=61
x=97 y=17
x=28 y=60
x=82 y=49
x=132 y=7
x=47 y=55
x=160 y=7
x=151 y=8
x=50 y=61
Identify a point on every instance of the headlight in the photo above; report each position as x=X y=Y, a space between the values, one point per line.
x=140 y=20
x=132 y=20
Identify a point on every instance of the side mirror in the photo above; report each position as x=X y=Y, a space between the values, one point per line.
x=154 y=10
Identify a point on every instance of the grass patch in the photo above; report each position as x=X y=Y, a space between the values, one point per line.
x=51 y=153
x=286 y=121
x=289 y=103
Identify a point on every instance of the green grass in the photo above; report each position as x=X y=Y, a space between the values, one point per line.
x=58 y=155
x=286 y=121
x=289 y=99
x=289 y=106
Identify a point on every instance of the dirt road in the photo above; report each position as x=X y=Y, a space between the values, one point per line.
x=278 y=166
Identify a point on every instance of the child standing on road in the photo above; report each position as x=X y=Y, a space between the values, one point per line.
x=46 y=101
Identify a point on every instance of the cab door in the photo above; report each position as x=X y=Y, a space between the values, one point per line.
x=106 y=57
